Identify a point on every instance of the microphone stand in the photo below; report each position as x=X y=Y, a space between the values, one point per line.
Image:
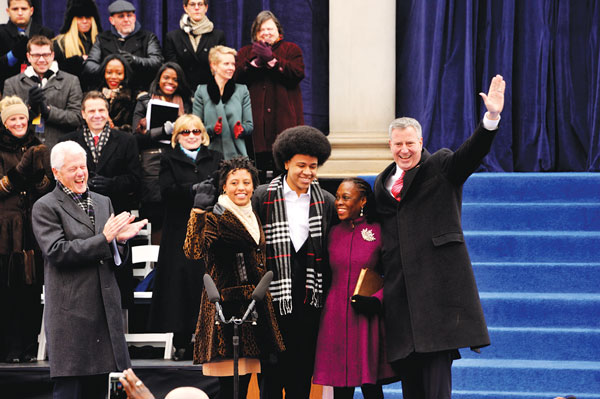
x=257 y=295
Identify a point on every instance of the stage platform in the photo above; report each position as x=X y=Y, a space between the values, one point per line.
x=32 y=380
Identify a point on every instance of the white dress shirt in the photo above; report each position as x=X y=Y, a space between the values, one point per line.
x=297 y=209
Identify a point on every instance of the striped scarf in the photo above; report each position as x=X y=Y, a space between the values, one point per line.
x=89 y=140
x=279 y=247
x=84 y=201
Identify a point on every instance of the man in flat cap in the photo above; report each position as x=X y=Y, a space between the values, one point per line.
x=139 y=47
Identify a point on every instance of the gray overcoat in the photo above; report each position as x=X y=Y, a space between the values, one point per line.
x=82 y=316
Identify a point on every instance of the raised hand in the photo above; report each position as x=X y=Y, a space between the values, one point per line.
x=130 y=230
x=238 y=129
x=494 y=99
x=115 y=224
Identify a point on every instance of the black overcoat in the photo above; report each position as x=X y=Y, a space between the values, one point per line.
x=178 y=48
x=178 y=281
x=430 y=295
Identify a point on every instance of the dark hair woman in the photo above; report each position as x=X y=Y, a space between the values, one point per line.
x=350 y=344
x=231 y=243
x=24 y=177
x=169 y=85
x=115 y=87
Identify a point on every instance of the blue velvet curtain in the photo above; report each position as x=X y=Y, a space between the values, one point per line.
x=547 y=51
x=305 y=22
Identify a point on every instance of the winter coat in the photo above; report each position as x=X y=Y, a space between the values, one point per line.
x=9 y=35
x=73 y=64
x=236 y=264
x=142 y=44
x=63 y=96
x=119 y=160
x=430 y=295
x=17 y=265
x=275 y=92
x=178 y=280
x=82 y=313
x=350 y=347
x=232 y=107
x=178 y=48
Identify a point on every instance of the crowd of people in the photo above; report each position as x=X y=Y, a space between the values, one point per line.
x=228 y=180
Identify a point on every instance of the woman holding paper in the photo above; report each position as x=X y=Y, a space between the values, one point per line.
x=224 y=106
x=169 y=86
x=350 y=347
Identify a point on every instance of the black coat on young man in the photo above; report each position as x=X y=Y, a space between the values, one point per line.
x=430 y=295
x=11 y=39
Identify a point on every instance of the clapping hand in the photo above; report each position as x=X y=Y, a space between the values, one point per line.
x=263 y=51
x=238 y=129
x=218 y=129
x=494 y=99
x=205 y=194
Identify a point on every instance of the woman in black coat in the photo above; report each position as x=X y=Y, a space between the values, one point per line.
x=178 y=281
x=168 y=85
x=115 y=86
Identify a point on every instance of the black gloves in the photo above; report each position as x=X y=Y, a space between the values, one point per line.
x=367 y=305
x=130 y=58
x=205 y=194
x=263 y=51
x=25 y=165
x=37 y=101
x=101 y=184
x=19 y=49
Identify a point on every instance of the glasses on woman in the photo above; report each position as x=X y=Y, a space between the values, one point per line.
x=187 y=132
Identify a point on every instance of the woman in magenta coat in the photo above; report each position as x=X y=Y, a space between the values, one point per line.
x=350 y=346
x=272 y=69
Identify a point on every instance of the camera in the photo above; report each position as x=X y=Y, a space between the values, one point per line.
x=115 y=388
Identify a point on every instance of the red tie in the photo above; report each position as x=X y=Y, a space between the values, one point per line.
x=96 y=139
x=397 y=187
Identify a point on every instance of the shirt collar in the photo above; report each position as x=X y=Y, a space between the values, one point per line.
x=287 y=191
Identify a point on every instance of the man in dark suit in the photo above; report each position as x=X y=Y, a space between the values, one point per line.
x=432 y=306
x=189 y=45
x=112 y=156
x=14 y=36
x=139 y=47
x=82 y=243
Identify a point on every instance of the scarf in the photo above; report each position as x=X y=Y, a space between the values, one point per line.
x=50 y=73
x=245 y=215
x=194 y=29
x=84 y=201
x=279 y=251
x=89 y=141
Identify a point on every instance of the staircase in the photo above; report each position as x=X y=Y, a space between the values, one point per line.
x=534 y=240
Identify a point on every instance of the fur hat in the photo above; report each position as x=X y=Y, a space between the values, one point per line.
x=80 y=8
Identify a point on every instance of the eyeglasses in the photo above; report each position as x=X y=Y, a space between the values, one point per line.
x=186 y=132
x=37 y=56
x=196 y=5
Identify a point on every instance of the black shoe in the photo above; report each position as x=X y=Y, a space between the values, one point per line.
x=179 y=354
x=12 y=358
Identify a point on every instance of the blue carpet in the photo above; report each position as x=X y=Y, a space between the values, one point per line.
x=534 y=240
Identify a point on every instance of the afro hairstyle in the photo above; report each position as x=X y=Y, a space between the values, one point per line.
x=305 y=140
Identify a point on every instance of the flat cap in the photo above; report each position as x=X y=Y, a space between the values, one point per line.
x=120 y=6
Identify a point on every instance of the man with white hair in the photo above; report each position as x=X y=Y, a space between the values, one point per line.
x=82 y=243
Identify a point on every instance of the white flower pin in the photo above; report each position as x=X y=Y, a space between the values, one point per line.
x=367 y=234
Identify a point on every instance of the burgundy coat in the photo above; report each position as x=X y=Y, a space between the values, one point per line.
x=275 y=93
x=350 y=347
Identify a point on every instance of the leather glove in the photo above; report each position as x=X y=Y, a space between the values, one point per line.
x=41 y=158
x=367 y=305
x=19 y=50
x=25 y=165
x=127 y=56
x=218 y=129
x=37 y=100
x=205 y=194
x=102 y=184
x=238 y=129
x=263 y=51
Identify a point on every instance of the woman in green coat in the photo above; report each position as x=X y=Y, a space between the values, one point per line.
x=224 y=106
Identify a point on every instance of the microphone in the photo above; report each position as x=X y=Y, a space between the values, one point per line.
x=259 y=292
x=213 y=296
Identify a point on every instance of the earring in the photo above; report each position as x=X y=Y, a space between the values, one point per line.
x=361 y=211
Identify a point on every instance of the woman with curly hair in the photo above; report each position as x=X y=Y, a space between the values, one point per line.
x=296 y=215
x=24 y=177
x=231 y=243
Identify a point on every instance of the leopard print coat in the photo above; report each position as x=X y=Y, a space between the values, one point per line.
x=236 y=264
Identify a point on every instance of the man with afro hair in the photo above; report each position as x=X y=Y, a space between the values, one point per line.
x=296 y=215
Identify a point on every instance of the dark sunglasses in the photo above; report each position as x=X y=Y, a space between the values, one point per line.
x=187 y=132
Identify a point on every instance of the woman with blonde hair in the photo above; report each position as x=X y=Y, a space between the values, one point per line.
x=178 y=280
x=224 y=106
x=24 y=177
x=77 y=35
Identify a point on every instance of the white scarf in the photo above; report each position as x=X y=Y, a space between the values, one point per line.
x=245 y=215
